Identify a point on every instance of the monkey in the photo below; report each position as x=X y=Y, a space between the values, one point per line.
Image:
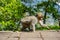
x=31 y=21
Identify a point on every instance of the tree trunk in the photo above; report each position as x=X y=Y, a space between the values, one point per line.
x=44 y=18
x=59 y=22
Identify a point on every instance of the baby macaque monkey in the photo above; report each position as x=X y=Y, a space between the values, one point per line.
x=31 y=21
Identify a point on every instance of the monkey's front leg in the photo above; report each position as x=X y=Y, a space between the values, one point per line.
x=33 y=25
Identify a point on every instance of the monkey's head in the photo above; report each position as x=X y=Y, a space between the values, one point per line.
x=39 y=15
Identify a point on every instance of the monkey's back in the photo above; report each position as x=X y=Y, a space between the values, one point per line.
x=31 y=19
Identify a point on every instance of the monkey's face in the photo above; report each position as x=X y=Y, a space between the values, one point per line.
x=39 y=16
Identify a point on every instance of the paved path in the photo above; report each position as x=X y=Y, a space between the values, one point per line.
x=38 y=35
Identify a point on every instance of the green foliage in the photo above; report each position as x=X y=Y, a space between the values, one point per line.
x=11 y=11
x=50 y=27
x=48 y=7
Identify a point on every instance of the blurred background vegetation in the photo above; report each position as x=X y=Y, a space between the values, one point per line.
x=11 y=11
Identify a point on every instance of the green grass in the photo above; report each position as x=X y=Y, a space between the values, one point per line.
x=38 y=27
x=50 y=27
